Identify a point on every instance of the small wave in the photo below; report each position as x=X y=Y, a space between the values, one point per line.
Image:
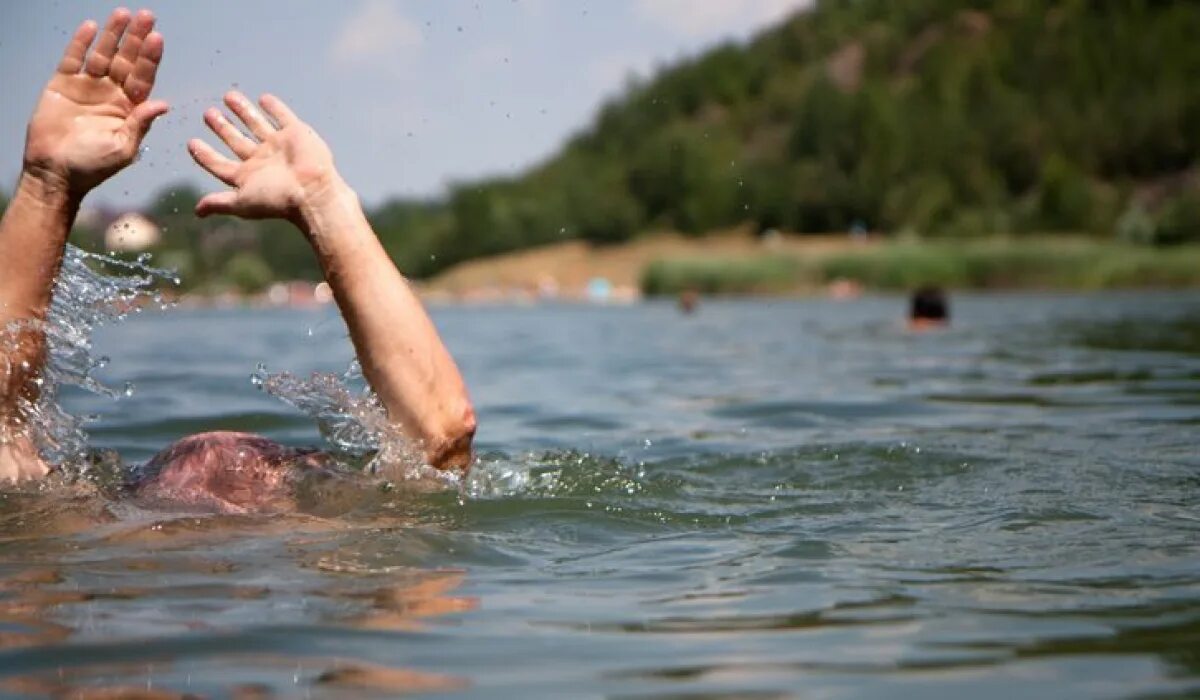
x=553 y=475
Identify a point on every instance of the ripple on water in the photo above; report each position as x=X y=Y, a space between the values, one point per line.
x=1035 y=547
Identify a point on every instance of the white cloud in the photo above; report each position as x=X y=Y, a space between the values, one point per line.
x=377 y=34
x=698 y=18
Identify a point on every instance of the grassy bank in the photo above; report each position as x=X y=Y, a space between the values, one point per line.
x=1077 y=264
x=759 y=275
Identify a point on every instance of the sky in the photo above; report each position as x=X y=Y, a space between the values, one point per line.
x=411 y=95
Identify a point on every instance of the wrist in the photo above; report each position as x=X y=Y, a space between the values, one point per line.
x=324 y=201
x=48 y=189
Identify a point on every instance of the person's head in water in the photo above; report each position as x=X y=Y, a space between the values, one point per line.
x=688 y=299
x=929 y=308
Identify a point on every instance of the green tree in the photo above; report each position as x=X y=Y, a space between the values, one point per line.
x=952 y=118
x=247 y=272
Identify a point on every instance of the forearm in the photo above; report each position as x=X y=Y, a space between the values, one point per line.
x=33 y=235
x=401 y=354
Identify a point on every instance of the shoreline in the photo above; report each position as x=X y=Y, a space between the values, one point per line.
x=737 y=263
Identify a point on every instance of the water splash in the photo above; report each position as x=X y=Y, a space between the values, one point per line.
x=352 y=421
x=92 y=290
x=354 y=424
x=557 y=474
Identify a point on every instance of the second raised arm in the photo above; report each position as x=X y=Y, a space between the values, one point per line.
x=284 y=170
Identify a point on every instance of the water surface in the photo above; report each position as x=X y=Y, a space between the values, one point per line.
x=766 y=499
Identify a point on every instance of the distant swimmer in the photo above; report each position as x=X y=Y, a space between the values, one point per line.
x=688 y=300
x=88 y=125
x=928 y=309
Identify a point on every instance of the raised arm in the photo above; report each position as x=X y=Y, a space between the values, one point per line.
x=87 y=126
x=286 y=171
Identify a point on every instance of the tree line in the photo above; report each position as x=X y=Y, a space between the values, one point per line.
x=924 y=119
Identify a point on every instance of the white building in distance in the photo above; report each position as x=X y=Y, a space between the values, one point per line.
x=131 y=233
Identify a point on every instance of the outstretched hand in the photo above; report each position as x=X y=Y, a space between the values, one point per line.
x=95 y=111
x=282 y=168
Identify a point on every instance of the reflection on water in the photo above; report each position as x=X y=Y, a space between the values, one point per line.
x=765 y=499
x=179 y=587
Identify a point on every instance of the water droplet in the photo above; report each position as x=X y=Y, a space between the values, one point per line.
x=259 y=376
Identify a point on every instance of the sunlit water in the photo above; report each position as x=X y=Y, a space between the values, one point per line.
x=766 y=499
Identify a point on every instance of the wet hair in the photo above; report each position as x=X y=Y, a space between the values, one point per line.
x=224 y=472
x=929 y=303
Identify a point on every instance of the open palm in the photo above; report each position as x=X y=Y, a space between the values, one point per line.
x=284 y=165
x=94 y=112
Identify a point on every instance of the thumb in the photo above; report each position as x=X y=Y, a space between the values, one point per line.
x=217 y=203
x=139 y=120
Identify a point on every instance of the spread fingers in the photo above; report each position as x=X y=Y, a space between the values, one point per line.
x=102 y=55
x=249 y=114
x=131 y=46
x=277 y=110
x=141 y=80
x=238 y=142
x=72 y=59
x=208 y=158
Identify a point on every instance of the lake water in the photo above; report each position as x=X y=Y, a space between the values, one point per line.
x=766 y=499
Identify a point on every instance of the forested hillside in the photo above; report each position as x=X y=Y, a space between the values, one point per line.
x=944 y=118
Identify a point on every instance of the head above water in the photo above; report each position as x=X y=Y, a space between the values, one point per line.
x=929 y=307
x=226 y=472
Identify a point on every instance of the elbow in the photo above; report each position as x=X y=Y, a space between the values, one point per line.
x=453 y=448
